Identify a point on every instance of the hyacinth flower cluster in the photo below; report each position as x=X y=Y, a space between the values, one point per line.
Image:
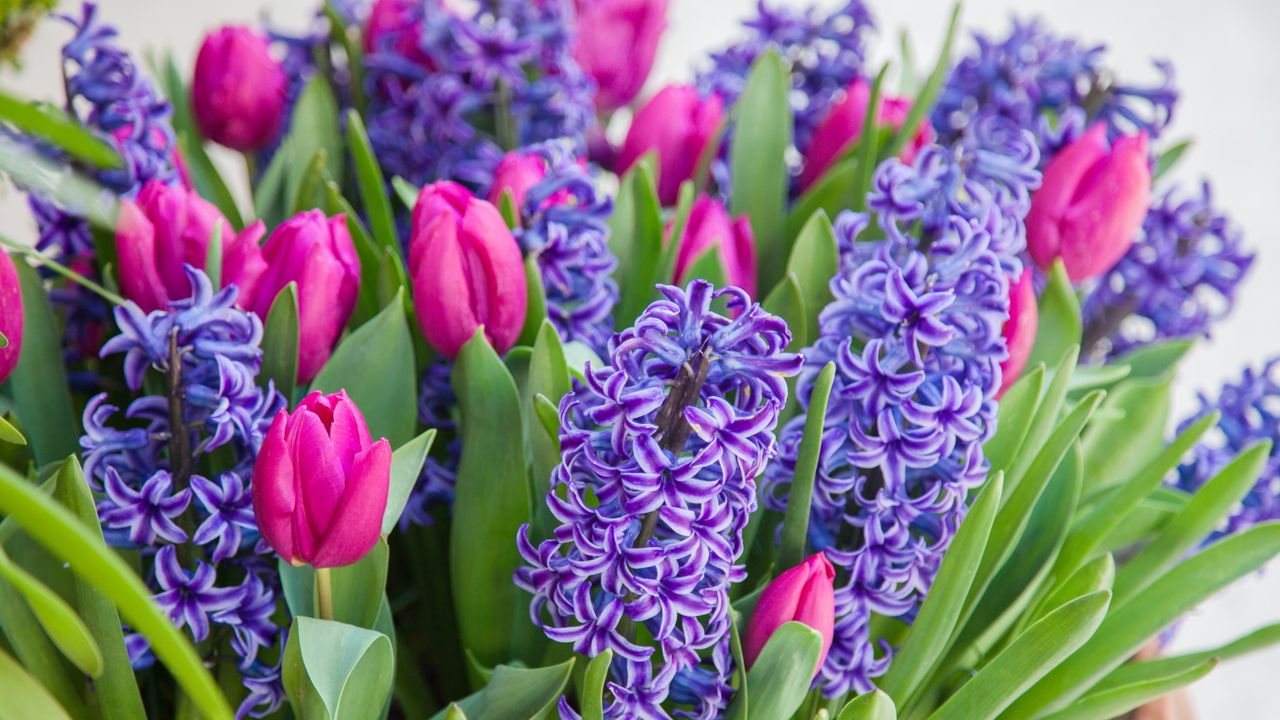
x=174 y=475
x=660 y=451
x=451 y=89
x=915 y=335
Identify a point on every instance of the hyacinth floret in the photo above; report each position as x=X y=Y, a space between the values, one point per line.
x=660 y=450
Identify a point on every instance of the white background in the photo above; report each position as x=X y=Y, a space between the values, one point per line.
x=1228 y=68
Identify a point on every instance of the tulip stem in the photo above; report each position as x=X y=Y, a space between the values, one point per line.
x=324 y=594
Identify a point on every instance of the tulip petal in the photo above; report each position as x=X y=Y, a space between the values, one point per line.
x=358 y=522
x=348 y=432
x=274 y=491
x=136 y=253
x=321 y=481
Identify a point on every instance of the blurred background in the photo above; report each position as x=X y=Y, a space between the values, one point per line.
x=1228 y=69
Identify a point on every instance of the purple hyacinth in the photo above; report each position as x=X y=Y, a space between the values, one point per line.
x=190 y=597
x=915 y=335
x=227 y=509
x=146 y=513
x=1250 y=412
x=660 y=450
x=1177 y=279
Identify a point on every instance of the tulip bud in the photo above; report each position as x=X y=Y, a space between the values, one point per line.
x=316 y=253
x=678 y=124
x=157 y=234
x=709 y=226
x=10 y=315
x=802 y=594
x=618 y=46
x=517 y=172
x=1090 y=204
x=467 y=270
x=1019 y=330
x=238 y=91
x=842 y=127
x=320 y=483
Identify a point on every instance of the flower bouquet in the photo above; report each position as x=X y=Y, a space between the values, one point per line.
x=809 y=389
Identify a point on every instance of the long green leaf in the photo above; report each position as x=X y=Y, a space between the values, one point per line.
x=924 y=102
x=1046 y=417
x=874 y=705
x=280 y=341
x=1017 y=407
x=635 y=237
x=814 y=260
x=314 y=128
x=591 y=699
x=207 y=180
x=357 y=589
x=57 y=128
x=1116 y=702
x=786 y=300
x=1135 y=672
x=1116 y=450
x=868 y=144
x=757 y=158
x=795 y=523
x=780 y=677
x=372 y=184
x=25 y=697
x=1097 y=574
x=548 y=377
x=1059 y=318
x=406 y=466
x=59 y=621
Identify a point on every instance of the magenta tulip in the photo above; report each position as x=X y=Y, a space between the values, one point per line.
x=238 y=91
x=396 y=26
x=709 y=226
x=467 y=270
x=1019 y=330
x=316 y=253
x=517 y=172
x=678 y=124
x=1090 y=204
x=617 y=46
x=10 y=315
x=802 y=594
x=320 y=483
x=842 y=127
x=157 y=234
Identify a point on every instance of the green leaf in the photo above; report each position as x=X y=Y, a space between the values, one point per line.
x=66 y=537
x=1046 y=417
x=507 y=207
x=491 y=502
x=29 y=643
x=515 y=692
x=10 y=434
x=1059 y=321
x=1195 y=522
x=828 y=194
x=406 y=191
x=675 y=237
x=1147 y=612
x=374 y=365
x=795 y=524
x=357 y=588
x=406 y=466
x=548 y=378
x=874 y=705
x=337 y=671
x=815 y=259
x=707 y=266
x=933 y=627
x=536 y=305
x=34 y=701
x=307 y=196
x=1017 y=407
x=38 y=384
x=213 y=257
x=867 y=144
x=591 y=699
x=1119 y=701
x=1097 y=574
x=1170 y=157
x=373 y=186
x=924 y=102
x=207 y=180
x=739 y=659
x=1028 y=658
x=1132 y=673
x=636 y=240
x=786 y=300
x=348 y=35
x=757 y=158
x=780 y=677
x=548 y=416
x=1115 y=450
x=1156 y=359
x=60 y=130
x=370 y=298
x=60 y=622
x=269 y=191
x=280 y=343
x=312 y=129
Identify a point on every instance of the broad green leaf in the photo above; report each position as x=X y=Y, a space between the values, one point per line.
x=1136 y=672
x=536 y=304
x=38 y=385
x=26 y=698
x=406 y=466
x=491 y=502
x=815 y=259
x=780 y=678
x=65 y=536
x=786 y=300
x=1093 y=377
x=636 y=240
x=548 y=417
x=280 y=343
x=795 y=524
x=707 y=266
x=1028 y=658
x=54 y=126
x=336 y=671
x=1059 y=320
x=406 y=191
x=1046 y=417
x=312 y=181
x=1147 y=520
x=313 y=128
x=515 y=692
x=1118 y=701
x=591 y=698
x=357 y=589
x=1155 y=359
x=37 y=653
x=1149 y=611
x=827 y=194
x=375 y=292
x=1017 y=407
x=59 y=621
x=373 y=186
x=933 y=627
x=874 y=705
x=1195 y=522
x=549 y=378
x=1097 y=574
x=924 y=101
x=1169 y=158
x=10 y=434
x=757 y=158
x=374 y=365
x=1116 y=450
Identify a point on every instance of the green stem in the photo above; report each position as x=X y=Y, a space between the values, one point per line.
x=324 y=594
x=62 y=270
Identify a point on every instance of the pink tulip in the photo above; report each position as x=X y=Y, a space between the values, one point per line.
x=320 y=483
x=1090 y=204
x=616 y=46
x=842 y=127
x=157 y=234
x=10 y=315
x=709 y=226
x=396 y=26
x=517 y=172
x=316 y=253
x=802 y=594
x=467 y=270
x=1019 y=330
x=238 y=91
x=678 y=124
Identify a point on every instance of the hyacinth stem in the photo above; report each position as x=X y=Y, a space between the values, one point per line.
x=1105 y=324
x=179 y=437
x=62 y=270
x=503 y=123
x=324 y=594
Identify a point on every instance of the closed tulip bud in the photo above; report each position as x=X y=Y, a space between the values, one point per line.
x=678 y=124
x=238 y=91
x=1019 y=330
x=842 y=127
x=320 y=483
x=709 y=226
x=1090 y=204
x=315 y=252
x=802 y=594
x=10 y=315
x=467 y=270
x=618 y=45
x=157 y=234
x=517 y=172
